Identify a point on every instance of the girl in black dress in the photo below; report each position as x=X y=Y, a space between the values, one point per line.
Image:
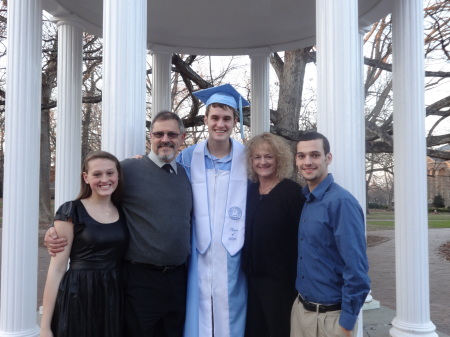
x=86 y=299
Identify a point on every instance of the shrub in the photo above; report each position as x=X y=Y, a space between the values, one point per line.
x=438 y=201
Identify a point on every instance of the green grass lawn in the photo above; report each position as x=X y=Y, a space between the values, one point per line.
x=377 y=220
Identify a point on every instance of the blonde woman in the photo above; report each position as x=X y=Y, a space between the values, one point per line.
x=274 y=204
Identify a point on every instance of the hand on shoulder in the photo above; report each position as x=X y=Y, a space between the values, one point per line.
x=53 y=243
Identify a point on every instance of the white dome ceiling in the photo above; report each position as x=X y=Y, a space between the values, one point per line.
x=212 y=27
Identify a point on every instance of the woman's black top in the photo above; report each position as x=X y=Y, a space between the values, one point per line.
x=271 y=230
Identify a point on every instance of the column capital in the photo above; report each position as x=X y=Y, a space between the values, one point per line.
x=69 y=19
x=160 y=51
x=259 y=52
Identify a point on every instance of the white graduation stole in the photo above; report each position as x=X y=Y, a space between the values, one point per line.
x=234 y=224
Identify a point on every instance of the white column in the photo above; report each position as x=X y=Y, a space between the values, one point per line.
x=260 y=108
x=340 y=86
x=124 y=53
x=411 y=222
x=68 y=126
x=161 y=68
x=21 y=177
x=360 y=193
x=340 y=117
x=358 y=189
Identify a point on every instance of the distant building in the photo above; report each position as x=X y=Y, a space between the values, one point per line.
x=438 y=173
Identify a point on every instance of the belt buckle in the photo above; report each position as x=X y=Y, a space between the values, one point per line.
x=321 y=309
x=314 y=307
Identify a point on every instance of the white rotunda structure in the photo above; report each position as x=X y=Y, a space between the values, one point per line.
x=233 y=27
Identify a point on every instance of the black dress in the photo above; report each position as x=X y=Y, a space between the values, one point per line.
x=269 y=257
x=89 y=301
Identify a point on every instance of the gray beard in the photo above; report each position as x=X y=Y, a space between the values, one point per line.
x=166 y=157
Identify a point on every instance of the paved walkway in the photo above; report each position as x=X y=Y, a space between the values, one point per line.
x=382 y=273
x=377 y=322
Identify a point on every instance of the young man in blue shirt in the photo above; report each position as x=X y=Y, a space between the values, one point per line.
x=332 y=269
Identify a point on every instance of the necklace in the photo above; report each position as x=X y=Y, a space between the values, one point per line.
x=107 y=211
x=263 y=191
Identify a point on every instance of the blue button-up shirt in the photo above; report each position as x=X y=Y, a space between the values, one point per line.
x=332 y=260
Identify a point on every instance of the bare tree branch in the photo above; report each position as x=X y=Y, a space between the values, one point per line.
x=435 y=109
x=185 y=70
x=388 y=67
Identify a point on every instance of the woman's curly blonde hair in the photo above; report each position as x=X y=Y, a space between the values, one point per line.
x=281 y=150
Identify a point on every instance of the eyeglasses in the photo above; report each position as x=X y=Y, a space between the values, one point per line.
x=160 y=134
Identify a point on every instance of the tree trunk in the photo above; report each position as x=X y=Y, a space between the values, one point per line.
x=48 y=83
x=291 y=75
x=45 y=212
x=291 y=88
x=86 y=122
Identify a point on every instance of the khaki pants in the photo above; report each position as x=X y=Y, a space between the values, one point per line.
x=306 y=323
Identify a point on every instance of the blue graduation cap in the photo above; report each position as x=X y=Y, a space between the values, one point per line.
x=224 y=94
